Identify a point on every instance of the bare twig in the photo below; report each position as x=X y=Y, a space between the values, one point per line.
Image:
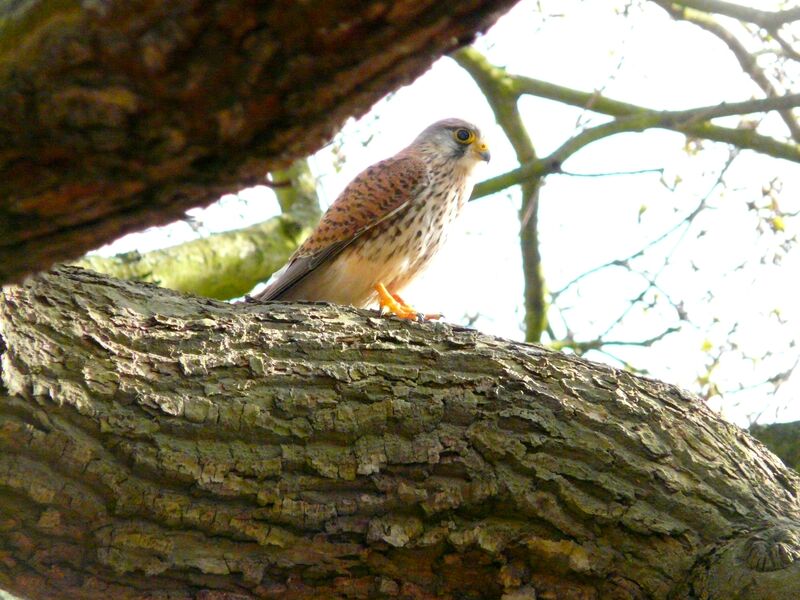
x=763 y=18
x=597 y=344
x=636 y=118
x=659 y=171
x=747 y=60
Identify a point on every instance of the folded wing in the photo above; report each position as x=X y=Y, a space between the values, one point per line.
x=380 y=192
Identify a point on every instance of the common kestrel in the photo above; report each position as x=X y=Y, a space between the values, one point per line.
x=387 y=224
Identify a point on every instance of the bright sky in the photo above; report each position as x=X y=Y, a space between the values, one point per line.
x=645 y=59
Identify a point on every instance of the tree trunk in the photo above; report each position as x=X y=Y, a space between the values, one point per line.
x=120 y=114
x=162 y=446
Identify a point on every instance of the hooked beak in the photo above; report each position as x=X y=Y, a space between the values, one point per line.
x=482 y=150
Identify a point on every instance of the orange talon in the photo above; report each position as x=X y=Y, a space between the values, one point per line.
x=396 y=305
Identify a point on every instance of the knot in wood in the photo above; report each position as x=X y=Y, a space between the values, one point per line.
x=772 y=549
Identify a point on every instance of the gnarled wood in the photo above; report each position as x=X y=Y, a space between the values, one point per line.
x=118 y=114
x=154 y=445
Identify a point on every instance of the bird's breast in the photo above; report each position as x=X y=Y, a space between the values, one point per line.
x=397 y=250
x=406 y=244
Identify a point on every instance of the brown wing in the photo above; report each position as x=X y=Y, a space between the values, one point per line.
x=382 y=190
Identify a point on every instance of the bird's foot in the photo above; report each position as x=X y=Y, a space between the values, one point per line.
x=392 y=303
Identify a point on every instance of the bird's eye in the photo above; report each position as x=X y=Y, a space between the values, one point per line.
x=464 y=136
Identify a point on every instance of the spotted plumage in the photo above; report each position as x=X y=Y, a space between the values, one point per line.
x=387 y=224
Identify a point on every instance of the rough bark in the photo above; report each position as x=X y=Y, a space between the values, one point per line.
x=119 y=114
x=154 y=445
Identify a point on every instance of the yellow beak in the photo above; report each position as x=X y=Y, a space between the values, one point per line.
x=482 y=150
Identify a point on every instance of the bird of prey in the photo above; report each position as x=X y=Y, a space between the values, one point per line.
x=386 y=225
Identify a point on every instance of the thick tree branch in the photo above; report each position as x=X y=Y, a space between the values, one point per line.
x=296 y=191
x=222 y=266
x=152 y=443
x=117 y=115
x=227 y=265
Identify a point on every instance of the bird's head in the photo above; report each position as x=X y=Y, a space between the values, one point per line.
x=455 y=139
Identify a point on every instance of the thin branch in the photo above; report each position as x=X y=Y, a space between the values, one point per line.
x=788 y=49
x=636 y=118
x=728 y=109
x=276 y=184
x=747 y=61
x=764 y=18
x=498 y=89
x=599 y=343
x=682 y=224
x=659 y=171
x=296 y=191
x=649 y=279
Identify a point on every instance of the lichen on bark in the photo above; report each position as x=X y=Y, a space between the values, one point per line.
x=156 y=444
